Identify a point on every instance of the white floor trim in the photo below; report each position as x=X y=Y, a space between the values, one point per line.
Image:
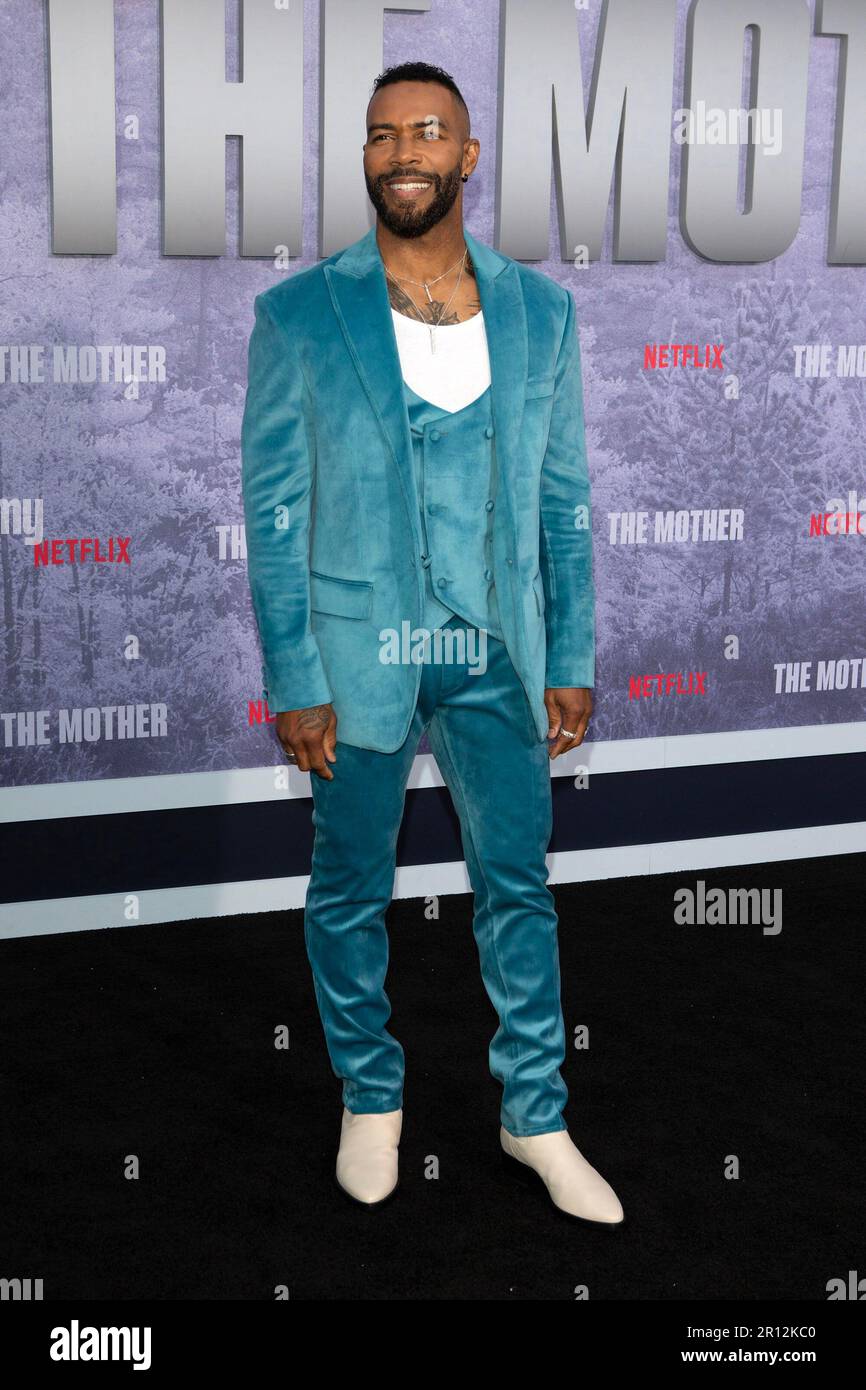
x=424 y=880
x=169 y=791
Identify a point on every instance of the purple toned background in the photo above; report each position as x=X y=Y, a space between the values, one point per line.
x=165 y=469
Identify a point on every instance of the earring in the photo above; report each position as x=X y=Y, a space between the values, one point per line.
x=465 y=178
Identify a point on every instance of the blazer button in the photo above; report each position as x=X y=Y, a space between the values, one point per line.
x=425 y=561
x=441 y=583
x=488 y=433
x=435 y=435
x=488 y=574
x=488 y=505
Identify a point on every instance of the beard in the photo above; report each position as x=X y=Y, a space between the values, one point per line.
x=409 y=221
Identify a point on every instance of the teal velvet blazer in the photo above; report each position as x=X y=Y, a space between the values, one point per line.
x=332 y=518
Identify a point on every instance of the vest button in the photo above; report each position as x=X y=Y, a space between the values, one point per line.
x=488 y=505
x=435 y=435
x=431 y=507
x=488 y=574
x=488 y=433
x=508 y=560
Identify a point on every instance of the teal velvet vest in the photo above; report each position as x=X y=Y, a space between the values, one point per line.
x=454 y=477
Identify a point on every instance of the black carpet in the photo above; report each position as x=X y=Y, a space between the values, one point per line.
x=709 y=1045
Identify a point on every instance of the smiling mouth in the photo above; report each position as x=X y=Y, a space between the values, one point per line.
x=408 y=188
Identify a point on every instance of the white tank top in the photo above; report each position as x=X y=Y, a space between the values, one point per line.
x=457 y=373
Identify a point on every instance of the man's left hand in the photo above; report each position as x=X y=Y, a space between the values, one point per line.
x=568 y=709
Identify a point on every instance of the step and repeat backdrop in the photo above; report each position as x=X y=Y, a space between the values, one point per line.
x=160 y=168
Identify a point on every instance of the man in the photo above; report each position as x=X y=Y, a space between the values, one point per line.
x=414 y=465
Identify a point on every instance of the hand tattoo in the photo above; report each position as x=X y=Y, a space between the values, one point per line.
x=317 y=717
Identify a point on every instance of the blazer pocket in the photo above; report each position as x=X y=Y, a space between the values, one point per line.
x=540 y=386
x=347 y=598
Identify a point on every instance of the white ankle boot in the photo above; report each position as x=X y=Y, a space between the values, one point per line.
x=574 y=1185
x=367 y=1160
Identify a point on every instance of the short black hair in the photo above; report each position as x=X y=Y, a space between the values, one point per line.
x=420 y=72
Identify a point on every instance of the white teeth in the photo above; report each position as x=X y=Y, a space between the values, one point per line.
x=409 y=185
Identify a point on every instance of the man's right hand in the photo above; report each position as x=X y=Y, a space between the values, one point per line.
x=310 y=735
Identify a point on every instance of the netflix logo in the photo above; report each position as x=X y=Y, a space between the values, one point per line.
x=837 y=524
x=259 y=713
x=842 y=516
x=667 y=683
x=659 y=355
x=74 y=551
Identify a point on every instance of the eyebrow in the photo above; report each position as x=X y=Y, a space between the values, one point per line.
x=414 y=125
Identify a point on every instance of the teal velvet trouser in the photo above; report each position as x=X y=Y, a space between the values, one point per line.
x=498 y=773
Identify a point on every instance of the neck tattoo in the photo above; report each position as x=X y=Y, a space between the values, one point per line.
x=431 y=310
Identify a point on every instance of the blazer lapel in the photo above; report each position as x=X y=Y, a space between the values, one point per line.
x=502 y=304
x=359 y=292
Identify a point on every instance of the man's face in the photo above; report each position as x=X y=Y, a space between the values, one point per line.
x=415 y=135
